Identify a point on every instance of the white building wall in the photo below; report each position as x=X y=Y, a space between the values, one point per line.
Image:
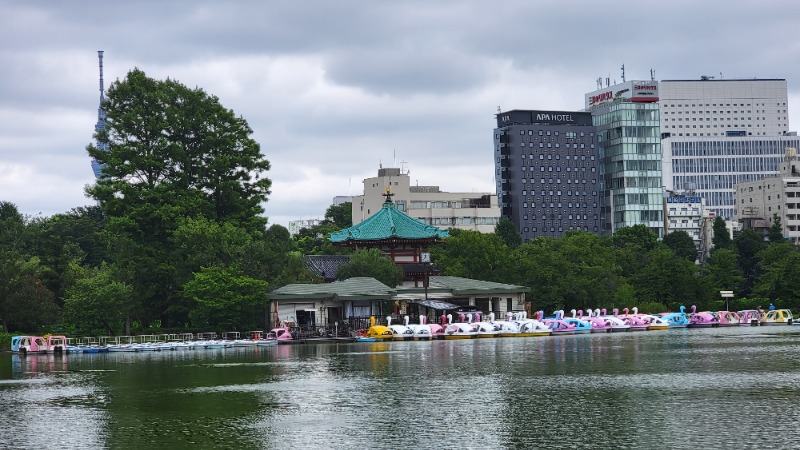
x=426 y=203
x=712 y=107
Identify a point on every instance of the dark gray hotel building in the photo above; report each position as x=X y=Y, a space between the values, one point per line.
x=547 y=171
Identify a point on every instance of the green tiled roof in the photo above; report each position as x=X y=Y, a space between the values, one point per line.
x=468 y=286
x=388 y=223
x=357 y=288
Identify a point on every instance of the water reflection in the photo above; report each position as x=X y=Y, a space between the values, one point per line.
x=674 y=388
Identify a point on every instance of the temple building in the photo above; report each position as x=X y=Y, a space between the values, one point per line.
x=425 y=291
x=403 y=239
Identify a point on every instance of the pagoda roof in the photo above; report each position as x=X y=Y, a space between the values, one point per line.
x=388 y=224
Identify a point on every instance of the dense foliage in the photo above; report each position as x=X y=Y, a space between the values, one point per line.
x=179 y=240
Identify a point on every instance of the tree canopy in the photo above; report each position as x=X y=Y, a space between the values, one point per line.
x=371 y=263
x=182 y=187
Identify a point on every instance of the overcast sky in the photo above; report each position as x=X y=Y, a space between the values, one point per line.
x=332 y=89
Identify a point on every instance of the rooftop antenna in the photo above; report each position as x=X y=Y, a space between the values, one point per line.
x=652 y=74
x=498 y=109
x=599 y=82
x=608 y=80
x=623 y=72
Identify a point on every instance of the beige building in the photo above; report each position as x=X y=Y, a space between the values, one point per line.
x=463 y=210
x=757 y=202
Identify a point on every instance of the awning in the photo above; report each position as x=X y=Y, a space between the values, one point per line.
x=437 y=304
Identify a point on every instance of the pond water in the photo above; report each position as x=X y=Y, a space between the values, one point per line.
x=713 y=388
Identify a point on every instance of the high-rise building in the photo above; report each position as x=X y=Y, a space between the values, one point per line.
x=629 y=140
x=547 y=171
x=718 y=133
x=430 y=205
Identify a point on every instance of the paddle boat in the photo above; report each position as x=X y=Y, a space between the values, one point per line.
x=32 y=344
x=655 y=322
x=703 y=320
x=581 y=326
x=676 y=319
x=459 y=330
x=437 y=331
x=281 y=334
x=637 y=323
x=533 y=328
x=56 y=344
x=750 y=317
x=558 y=326
x=366 y=339
x=506 y=329
x=617 y=325
x=380 y=332
x=421 y=332
x=485 y=329
x=400 y=332
x=15 y=340
x=728 y=318
x=777 y=317
x=599 y=325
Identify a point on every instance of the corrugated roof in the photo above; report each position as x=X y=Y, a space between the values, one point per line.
x=468 y=286
x=357 y=288
x=388 y=223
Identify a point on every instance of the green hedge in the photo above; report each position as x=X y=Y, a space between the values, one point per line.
x=5 y=341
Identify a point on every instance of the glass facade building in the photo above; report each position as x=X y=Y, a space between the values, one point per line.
x=713 y=167
x=629 y=140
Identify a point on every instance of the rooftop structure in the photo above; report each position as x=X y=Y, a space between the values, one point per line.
x=477 y=211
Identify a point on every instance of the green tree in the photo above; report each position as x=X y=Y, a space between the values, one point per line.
x=172 y=153
x=681 y=244
x=722 y=238
x=775 y=230
x=180 y=147
x=508 y=232
x=372 y=263
x=98 y=303
x=472 y=254
x=748 y=244
x=638 y=236
x=226 y=298
x=340 y=215
x=666 y=278
x=722 y=273
x=779 y=270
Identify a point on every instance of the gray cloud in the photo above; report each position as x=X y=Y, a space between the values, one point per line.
x=333 y=89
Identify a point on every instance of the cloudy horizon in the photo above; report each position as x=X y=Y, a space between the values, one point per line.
x=332 y=90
